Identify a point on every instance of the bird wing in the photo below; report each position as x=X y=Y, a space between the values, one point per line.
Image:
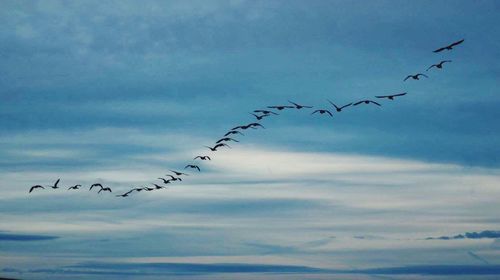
x=400 y=94
x=333 y=104
x=237 y=127
x=375 y=103
x=439 y=50
x=407 y=77
x=197 y=157
x=457 y=43
x=274 y=107
x=329 y=113
x=357 y=103
x=420 y=74
x=347 y=105
x=197 y=167
x=294 y=103
x=314 y=112
x=57 y=182
x=208 y=158
x=187 y=166
x=433 y=65
x=382 y=96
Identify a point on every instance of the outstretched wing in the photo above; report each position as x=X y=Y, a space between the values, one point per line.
x=407 y=77
x=375 y=103
x=457 y=43
x=333 y=104
x=400 y=94
x=357 y=103
x=439 y=50
x=329 y=113
x=433 y=65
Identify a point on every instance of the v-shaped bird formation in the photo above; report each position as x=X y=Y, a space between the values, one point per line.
x=259 y=115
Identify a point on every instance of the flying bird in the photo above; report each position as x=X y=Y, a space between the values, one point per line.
x=192 y=166
x=280 y=107
x=366 y=102
x=178 y=173
x=35 y=187
x=75 y=187
x=148 y=189
x=339 y=109
x=391 y=97
x=322 y=111
x=255 y=125
x=159 y=187
x=259 y=117
x=203 y=157
x=233 y=132
x=95 y=185
x=226 y=139
x=174 y=178
x=125 y=194
x=55 y=184
x=298 y=106
x=439 y=65
x=105 y=189
x=449 y=47
x=137 y=189
x=165 y=181
x=415 y=77
x=214 y=148
x=265 y=112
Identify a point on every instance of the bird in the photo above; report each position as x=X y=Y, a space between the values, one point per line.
x=148 y=189
x=391 y=97
x=55 y=184
x=95 y=185
x=244 y=127
x=322 y=111
x=415 y=77
x=449 y=47
x=125 y=194
x=178 y=173
x=259 y=117
x=192 y=166
x=298 y=106
x=75 y=187
x=366 y=102
x=233 y=132
x=203 y=157
x=280 y=107
x=439 y=65
x=265 y=112
x=165 y=181
x=159 y=187
x=105 y=189
x=226 y=139
x=255 y=125
x=339 y=109
x=137 y=189
x=214 y=148
x=35 y=187
x=174 y=178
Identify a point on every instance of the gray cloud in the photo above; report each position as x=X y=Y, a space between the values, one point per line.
x=470 y=235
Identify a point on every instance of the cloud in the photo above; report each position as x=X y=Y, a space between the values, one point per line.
x=491 y=234
x=25 y=237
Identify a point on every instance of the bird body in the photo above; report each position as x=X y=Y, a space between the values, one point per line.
x=416 y=76
x=107 y=189
x=203 y=157
x=214 y=148
x=36 y=187
x=298 y=106
x=159 y=187
x=192 y=166
x=95 y=185
x=323 y=111
x=280 y=107
x=449 y=47
x=178 y=173
x=233 y=132
x=339 y=109
x=366 y=102
x=226 y=139
x=391 y=97
x=55 y=184
x=265 y=112
x=439 y=65
x=75 y=187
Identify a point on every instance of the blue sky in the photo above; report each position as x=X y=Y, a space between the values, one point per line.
x=119 y=92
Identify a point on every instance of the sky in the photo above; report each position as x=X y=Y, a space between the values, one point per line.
x=120 y=92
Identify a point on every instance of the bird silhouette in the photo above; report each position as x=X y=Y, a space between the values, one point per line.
x=259 y=117
x=298 y=106
x=280 y=107
x=339 y=109
x=55 y=184
x=322 y=111
x=265 y=112
x=192 y=166
x=366 y=102
x=95 y=185
x=415 y=77
x=233 y=132
x=449 y=47
x=203 y=157
x=165 y=181
x=75 y=187
x=391 y=97
x=105 y=190
x=439 y=65
x=35 y=187
x=226 y=139
x=253 y=125
x=214 y=148
x=137 y=189
x=178 y=173
x=148 y=189
x=125 y=194
x=159 y=187
x=174 y=178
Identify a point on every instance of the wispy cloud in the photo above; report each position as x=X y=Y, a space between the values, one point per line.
x=492 y=234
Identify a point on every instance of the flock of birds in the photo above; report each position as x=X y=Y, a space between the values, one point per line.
x=238 y=130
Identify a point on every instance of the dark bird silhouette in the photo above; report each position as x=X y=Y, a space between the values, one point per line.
x=214 y=148
x=192 y=166
x=95 y=185
x=148 y=189
x=159 y=187
x=165 y=181
x=265 y=112
x=259 y=117
x=178 y=173
x=233 y=132
x=415 y=77
x=298 y=106
x=35 y=187
x=105 y=189
x=391 y=97
x=339 y=109
x=226 y=139
x=75 y=187
x=449 y=47
x=322 y=111
x=280 y=107
x=366 y=102
x=253 y=125
x=137 y=189
x=55 y=184
x=203 y=157
x=125 y=194
x=439 y=65
x=174 y=178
